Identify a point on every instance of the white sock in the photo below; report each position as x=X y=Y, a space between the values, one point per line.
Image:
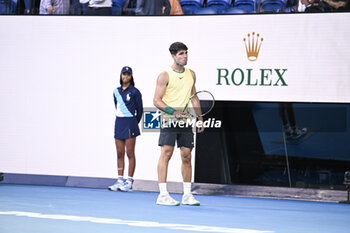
x=187 y=188
x=130 y=179
x=163 y=189
x=120 y=179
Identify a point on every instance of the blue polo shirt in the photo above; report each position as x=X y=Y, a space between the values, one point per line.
x=128 y=102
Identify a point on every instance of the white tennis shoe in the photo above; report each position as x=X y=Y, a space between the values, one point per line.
x=126 y=187
x=166 y=199
x=116 y=186
x=188 y=199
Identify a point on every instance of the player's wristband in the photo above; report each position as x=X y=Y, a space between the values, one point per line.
x=169 y=110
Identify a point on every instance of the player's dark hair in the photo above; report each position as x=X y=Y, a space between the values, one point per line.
x=131 y=80
x=176 y=47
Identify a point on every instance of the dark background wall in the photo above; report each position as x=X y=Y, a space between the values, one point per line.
x=250 y=147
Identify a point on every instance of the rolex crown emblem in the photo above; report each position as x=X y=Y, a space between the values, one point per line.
x=252 y=46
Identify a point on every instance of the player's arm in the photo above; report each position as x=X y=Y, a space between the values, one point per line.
x=195 y=102
x=162 y=82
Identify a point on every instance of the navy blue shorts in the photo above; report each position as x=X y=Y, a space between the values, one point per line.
x=126 y=127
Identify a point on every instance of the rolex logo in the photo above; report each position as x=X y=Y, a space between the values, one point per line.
x=252 y=46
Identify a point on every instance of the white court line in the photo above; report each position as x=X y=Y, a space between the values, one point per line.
x=184 y=227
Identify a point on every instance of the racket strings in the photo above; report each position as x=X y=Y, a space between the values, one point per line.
x=206 y=104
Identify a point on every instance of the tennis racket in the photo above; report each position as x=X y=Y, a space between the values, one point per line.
x=199 y=104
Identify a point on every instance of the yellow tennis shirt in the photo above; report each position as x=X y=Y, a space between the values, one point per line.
x=179 y=89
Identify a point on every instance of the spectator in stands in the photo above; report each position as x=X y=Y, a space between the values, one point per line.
x=128 y=7
x=176 y=8
x=301 y=5
x=96 y=7
x=31 y=7
x=313 y=6
x=8 y=7
x=54 y=7
x=75 y=7
x=336 y=5
x=23 y=7
x=310 y=6
x=84 y=4
x=151 y=7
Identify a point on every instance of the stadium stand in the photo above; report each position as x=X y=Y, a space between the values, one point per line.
x=271 y=6
x=206 y=11
x=190 y=6
x=8 y=7
x=219 y=5
x=234 y=10
x=247 y=6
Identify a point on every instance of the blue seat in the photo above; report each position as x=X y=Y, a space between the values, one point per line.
x=249 y=6
x=118 y=3
x=117 y=7
x=206 y=11
x=190 y=6
x=234 y=10
x=273 y=5
x=219 y=3
x=198 y=3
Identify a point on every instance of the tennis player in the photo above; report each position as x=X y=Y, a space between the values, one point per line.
x=128 y=103
x=173 y=89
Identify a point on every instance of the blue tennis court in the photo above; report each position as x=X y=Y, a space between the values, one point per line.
x=43 y=209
